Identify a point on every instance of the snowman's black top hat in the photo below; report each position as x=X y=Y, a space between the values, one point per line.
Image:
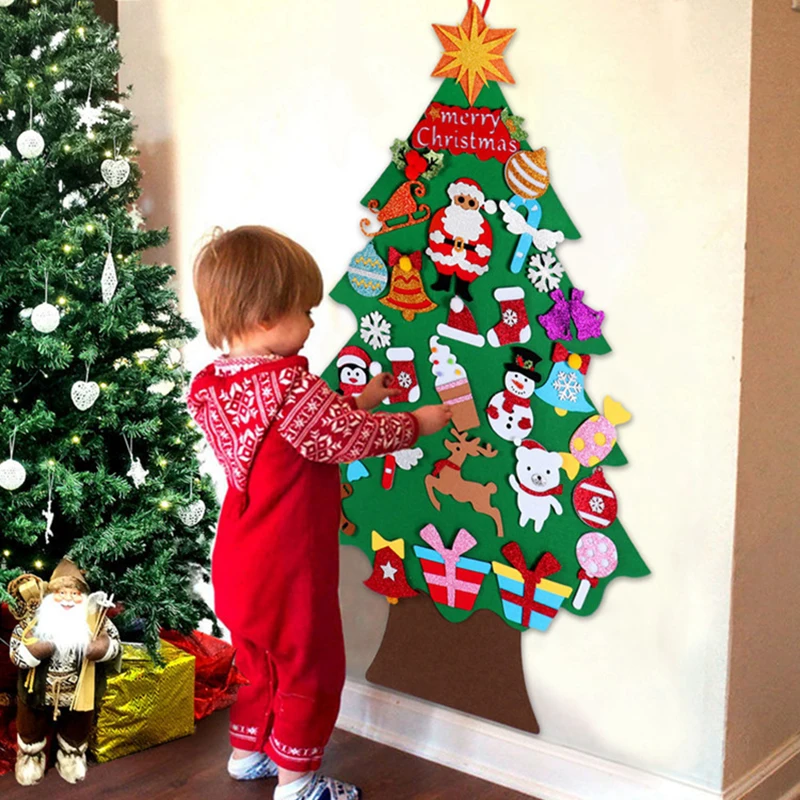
x=524 y=362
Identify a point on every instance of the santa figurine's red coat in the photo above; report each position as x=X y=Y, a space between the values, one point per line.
x=460 y=237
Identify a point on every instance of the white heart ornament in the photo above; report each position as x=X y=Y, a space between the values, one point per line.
x=192 y=514
x=12 y=474
x=30 y=144
x=115 y=171
x=84 y=394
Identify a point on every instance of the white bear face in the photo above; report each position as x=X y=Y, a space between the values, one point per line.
x=352 y=376
x=519 y=384
x=538 y=469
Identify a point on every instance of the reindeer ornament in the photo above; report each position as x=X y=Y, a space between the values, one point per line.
x=447 y=479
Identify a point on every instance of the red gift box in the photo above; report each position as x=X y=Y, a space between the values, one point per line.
x=217 y=680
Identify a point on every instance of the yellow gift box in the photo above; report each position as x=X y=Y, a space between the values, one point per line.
x=145 y=705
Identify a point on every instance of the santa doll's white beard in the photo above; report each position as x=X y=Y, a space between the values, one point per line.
x=461 y=222
x=67 y=629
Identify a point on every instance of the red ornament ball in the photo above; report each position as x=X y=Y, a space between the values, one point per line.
x=595 y=501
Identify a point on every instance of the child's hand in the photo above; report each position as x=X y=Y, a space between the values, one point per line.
x=376 y=391
x=432 y=418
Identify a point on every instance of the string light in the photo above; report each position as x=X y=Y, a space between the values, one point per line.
x=67 y=148
x=6 y=553
x=54 y=68
x=90 y=135
x=104 y=386
x=165 y=505
x=81 y=31
x=190 y=424
x=76 y=439
x=67 y=248
x=31 y=84
x=51 y=462
x=89 y=228
x=62 y=301
x=37 y=564
x=162 y=462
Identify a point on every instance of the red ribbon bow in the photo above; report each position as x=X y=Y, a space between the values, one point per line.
x=415 y=258
x=560 y=353
x=584 y=576
x=548 y=564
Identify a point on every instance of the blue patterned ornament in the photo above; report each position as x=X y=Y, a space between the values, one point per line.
x=367 y=272
x=564 y=389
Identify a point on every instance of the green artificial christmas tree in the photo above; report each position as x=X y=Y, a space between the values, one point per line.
x=506 y=517
x=101 y=460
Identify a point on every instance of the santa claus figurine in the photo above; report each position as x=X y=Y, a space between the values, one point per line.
x=62 y=643
x=460 y=238
x=353 y=365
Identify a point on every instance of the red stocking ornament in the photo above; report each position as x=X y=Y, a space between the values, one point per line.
x=513 y=327
x=405 y=375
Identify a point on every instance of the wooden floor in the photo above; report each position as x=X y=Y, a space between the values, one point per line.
x=194 y=767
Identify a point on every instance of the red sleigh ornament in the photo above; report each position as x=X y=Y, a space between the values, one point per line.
x=402 y=203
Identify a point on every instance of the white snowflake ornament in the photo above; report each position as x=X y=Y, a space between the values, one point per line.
x=30 y=144
x=376 y=330
x=567 y=387
x=115 y=171
x=108 y=280
x=135 y=216
x=510 y=317
x=89 y=116
x=597 y=504
x=545 y=272
x=73 y=199
x=137 y=473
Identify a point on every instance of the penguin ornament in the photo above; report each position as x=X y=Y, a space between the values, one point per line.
x=353 y=365
x=509 y=411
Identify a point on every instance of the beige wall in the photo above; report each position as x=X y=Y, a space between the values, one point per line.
x=764 y=703
x=284 y=112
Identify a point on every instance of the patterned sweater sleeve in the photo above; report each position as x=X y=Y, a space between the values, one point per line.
x=323 y=426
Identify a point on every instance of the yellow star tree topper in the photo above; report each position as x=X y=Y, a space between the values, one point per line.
x=473 y=53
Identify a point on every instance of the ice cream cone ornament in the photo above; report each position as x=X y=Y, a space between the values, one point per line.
x=452 y=385
x=406 y=290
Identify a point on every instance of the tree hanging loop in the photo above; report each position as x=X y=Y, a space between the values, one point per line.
x=485 y=6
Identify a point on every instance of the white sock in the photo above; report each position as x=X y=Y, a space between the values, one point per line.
x=240 y=766
x=293 y=790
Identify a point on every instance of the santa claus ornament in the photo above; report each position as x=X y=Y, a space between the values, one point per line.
x=595 y=501
x=62 y=641
x=460 y=238
x=509 y=411
x=388 y=572
x=353 y=365
x=406 y=290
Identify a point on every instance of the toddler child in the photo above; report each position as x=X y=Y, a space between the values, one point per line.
x=280 y=433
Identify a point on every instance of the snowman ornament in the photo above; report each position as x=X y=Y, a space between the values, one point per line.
x=509 y=411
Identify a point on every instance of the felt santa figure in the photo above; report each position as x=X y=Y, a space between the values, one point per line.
x=62 y=645
x=460 y=238
x=353 y=365
x=509 y=411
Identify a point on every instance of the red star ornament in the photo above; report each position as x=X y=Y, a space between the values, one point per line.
x=473 y=53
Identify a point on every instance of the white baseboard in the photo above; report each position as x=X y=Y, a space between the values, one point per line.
x=498 y=754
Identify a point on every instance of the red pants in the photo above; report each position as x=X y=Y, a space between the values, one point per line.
x=289 y=708
x=275 y=570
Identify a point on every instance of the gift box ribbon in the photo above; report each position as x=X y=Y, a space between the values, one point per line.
x=547 y=565
x=464 y=541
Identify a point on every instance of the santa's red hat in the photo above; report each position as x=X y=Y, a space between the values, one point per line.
x=471 y=188
x=460 y=324
x=353 y=356
x=529 y=444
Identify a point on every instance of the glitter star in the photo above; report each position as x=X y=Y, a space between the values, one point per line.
x=473 y=53
x=388 y=571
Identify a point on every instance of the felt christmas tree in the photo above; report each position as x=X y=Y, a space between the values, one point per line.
x=99 y=458
x=507 y=519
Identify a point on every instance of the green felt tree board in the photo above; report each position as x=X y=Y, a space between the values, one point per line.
x=405 y=510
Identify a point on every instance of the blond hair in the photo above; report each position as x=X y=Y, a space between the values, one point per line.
x=252 y=275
